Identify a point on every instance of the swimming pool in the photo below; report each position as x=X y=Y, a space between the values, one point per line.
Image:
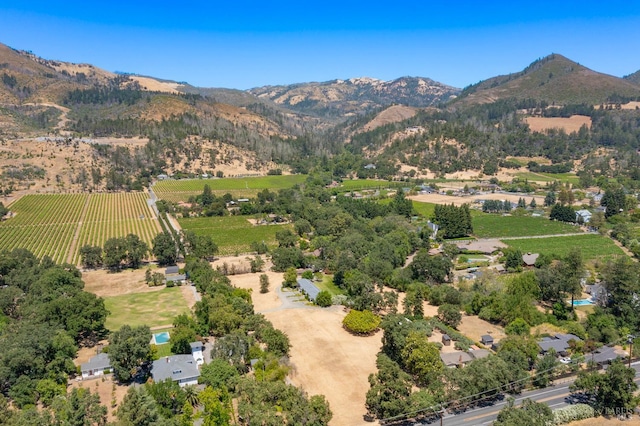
x=582 y=302
x=161 y=338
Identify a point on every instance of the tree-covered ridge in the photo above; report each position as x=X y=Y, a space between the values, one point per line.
x=477 y=137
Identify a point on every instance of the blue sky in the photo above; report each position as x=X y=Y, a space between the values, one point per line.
x=244 y=44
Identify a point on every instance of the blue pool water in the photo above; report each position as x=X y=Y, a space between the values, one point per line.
x=582 y=302
x=161 y=338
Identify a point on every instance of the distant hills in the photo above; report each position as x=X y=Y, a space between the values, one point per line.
x=413 y=121
x=338 y=98
x=633 y=78
x=554 y=79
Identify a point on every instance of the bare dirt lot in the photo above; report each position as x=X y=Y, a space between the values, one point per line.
x=474 y=327
x=108 y=391
x=105 y=284
x=328 y=360
x=569 y=125
x=325 y=358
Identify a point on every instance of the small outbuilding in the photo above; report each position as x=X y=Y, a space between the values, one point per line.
x=486 y=340
x=446 y=340
x=197 y=351
x=171 y=270
x=529 y=259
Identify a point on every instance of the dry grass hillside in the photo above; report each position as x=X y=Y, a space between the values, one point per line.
x=63 y=163
x=569 y=125
x=393 y=114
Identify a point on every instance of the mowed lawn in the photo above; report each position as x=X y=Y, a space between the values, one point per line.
x=232 y=234
x=593 y=246
x=496 y=226
x=154 y=308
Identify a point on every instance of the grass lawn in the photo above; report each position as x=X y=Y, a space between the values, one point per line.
x=593 y=246
x=232 y=233
x=328 y=285
x=164 y=350
x=152 y=308
x=424 y=209
x=495 y=226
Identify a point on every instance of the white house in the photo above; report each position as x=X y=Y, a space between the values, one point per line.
x=197 y=349
x=96 y=366
x=583 y=216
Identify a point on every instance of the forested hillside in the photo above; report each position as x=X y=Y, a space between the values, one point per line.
x=190 y=131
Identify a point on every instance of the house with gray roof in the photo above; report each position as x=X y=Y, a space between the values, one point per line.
x=308 y=288
x=583 y=216
x=559 y=343
x=96 y=366
x=605 y=355
x=460 y=358
x=172 y=274
x=182 y=369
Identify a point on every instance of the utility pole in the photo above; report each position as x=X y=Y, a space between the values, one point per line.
x=630 y=341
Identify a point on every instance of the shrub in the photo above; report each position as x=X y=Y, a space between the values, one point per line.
x=323 y=299
x=339 y=299
x=572 y=413
x=361 y=322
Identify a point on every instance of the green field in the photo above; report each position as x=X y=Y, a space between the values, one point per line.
x=495 y=226
x=424 y=209
x=181 y=190
x=328 y=285
x=593 y=246
x=154 y=309
x=232 y=234
x=549 y=177
x=360 y=184
x=47 y=224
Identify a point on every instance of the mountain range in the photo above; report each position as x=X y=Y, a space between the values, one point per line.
x=272 y=123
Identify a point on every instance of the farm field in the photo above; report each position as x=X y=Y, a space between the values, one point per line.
x=43 y=224
x=152 y=308
x=496 y=226
x=593 y=246
x=232 y=234
x=181 y=190
x=49 y=224
x=116 y=215
x=360 y=184
x=549 y=177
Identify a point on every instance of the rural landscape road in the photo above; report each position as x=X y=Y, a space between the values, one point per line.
x=554 y=396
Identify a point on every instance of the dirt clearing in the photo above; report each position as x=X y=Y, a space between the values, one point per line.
x=108 y=390
x=328 y=360
x=325 y=359
x=474 y=327
x=569 y=125
x=105 y=284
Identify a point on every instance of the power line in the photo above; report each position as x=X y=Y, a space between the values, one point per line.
x=500 y=388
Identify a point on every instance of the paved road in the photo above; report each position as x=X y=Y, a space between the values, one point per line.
x=555 y=397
